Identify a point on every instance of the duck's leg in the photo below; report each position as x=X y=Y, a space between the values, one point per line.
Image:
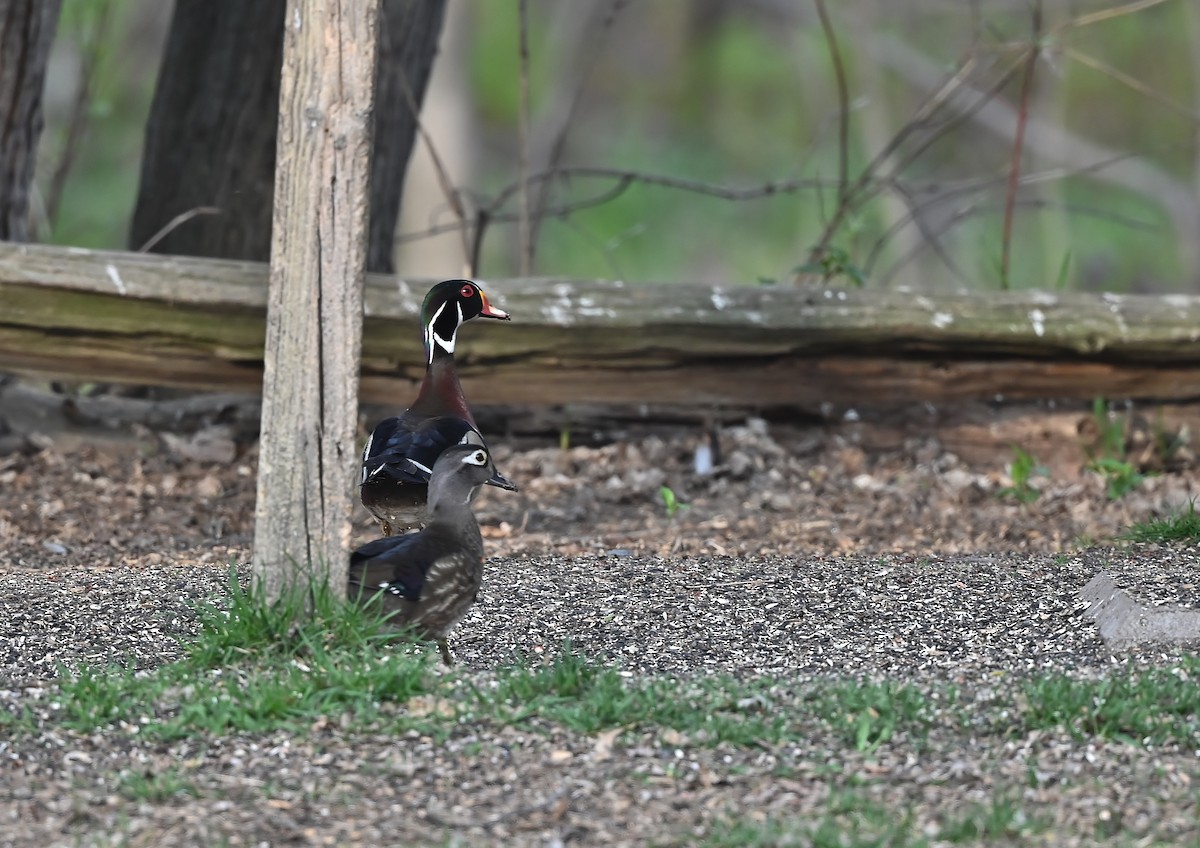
x=445 y=649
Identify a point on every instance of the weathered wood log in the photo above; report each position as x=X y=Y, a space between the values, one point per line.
x=199 y=323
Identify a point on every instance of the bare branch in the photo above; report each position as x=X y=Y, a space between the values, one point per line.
x=1109 y=14
x=843 y=96
x=974 y=208
x=453 y=195
x=176 y=222
x=491 y=212
x=525 y=226
x=487 y=216
x=563 y=108
x=939 y=194
x=78 y=120
x=1130 y=81
x=1018 y=150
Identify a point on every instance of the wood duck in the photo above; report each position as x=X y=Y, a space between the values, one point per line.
x=429 y=579
x=400 y=454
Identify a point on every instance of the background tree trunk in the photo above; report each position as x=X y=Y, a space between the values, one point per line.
x=211 y=134
x=26 y=32
x=307 y=451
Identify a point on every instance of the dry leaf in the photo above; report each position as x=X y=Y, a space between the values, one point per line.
x=603 y=749
x=423 y=705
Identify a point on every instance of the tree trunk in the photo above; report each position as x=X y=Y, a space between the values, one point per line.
x=26 y=33
x=308 y=452
x=211 y=135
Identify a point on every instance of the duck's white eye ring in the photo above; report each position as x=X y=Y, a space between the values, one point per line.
x=479 y=458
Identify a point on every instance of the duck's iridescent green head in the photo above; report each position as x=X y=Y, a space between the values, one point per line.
x=446 y=307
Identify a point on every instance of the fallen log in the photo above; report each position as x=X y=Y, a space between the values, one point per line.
x=199 y=323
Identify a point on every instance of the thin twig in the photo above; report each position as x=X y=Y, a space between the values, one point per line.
x=483 y=217
x=974 y=208
x=80 y=112
x=665 y=181
x=176 y=222
x=624 y=179
x=486 y=216
x=1018 y=151
x=524 y=225
x=1109 y=14
x=843 y=96
x=1130 y=81
x=941 y=195
x=453 y=196
x=982 y=99
x=559 y=142
x=865 y=186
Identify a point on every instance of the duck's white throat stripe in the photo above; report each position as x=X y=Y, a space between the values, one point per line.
x=431 y=335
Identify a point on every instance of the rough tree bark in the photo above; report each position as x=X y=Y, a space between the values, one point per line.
x=26 y=33
x=307 y=450
x=211 y=135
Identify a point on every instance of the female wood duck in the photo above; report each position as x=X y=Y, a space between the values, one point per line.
x=429 y=579
x=399 y=456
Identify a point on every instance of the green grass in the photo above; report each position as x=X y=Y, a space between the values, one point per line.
x=851 y=819
x=254 y=666
x=587 y=697
x=1022 y=470
x=258 y=667
x=1184 y=527
x=1107 y=455
x=156 y=788
x=1154 y=706
x=867 y=715
x=1001 y=818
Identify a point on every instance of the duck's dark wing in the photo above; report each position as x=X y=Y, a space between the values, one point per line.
x=397 y=564
x=404 y=451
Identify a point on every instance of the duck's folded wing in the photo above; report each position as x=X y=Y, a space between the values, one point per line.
x=406 y=453
x=396 y=564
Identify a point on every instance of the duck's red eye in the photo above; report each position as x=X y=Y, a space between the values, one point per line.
x=467 y=291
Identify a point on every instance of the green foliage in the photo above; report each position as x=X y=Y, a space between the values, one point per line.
x=1023 y=468
x=869 y=714
x=670 y=501
x=1152 y=706
x=1184 y=527
x=578 y=693
x=1001 y=818
x=101 y=186
x=834 y=262
x=155 y=787
x=255 y=666
x=1107 y=455
x=1064 y=273
x=1120 y=476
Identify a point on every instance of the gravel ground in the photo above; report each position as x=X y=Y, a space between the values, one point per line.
x=805 y=558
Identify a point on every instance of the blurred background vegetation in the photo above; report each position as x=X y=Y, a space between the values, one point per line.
x=739 y=94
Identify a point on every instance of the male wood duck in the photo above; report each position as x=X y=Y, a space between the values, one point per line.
x=429 y=579
x=400 y=454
